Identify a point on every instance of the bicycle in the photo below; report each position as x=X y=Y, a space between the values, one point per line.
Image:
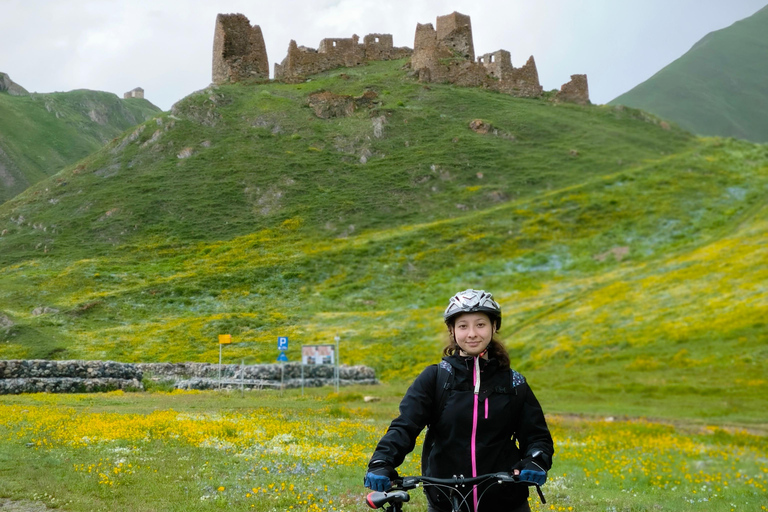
x=450 y=487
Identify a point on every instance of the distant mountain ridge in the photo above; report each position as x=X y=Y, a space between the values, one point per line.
x=717 y=87
x=42 y=133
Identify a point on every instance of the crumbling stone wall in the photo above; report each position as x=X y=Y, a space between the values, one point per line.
x=497 y=64
x=334 y=53
x=379 y=47
x=575 y=91
x=522 y=82
x=331 y=53
x=239 y=52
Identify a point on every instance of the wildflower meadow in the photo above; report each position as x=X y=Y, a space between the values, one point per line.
x=278 y=451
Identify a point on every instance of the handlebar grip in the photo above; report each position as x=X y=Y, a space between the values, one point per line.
x=378 y=499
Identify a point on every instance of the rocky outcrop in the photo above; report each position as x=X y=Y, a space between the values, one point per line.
x=327 y=105
x=9 y=86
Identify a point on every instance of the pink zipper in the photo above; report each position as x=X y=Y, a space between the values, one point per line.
x=476 y=382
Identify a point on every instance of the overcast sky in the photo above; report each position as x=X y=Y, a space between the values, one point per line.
x=165 y=46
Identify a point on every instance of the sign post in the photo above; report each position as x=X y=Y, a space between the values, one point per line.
x=336 y=339
x=318 y=354
x=282 y=346
x=224 y=339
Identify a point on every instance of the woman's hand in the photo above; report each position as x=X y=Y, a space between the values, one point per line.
x=379 y=476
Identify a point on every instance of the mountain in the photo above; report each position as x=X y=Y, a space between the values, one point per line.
x=42 y=133
x=717 y=87
x=628 y=255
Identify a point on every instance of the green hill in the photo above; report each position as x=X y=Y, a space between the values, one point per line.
x=42 y=133
x=628 y=256
x=717 y=87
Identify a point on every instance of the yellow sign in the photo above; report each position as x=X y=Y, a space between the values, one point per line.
x=225 y=339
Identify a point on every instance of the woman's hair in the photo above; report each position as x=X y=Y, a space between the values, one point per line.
x=496 y=349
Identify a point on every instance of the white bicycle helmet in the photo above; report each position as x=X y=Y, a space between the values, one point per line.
x=473 y=301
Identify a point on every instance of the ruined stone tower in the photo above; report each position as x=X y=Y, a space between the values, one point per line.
x=239 y=52
x=447 y=54
x=454 y=31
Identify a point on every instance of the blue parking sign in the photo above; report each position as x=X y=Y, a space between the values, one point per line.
x=282 y=343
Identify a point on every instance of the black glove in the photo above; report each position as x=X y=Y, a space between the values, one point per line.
x=531 y=471
x=379 y=476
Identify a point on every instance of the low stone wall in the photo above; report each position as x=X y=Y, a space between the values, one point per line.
x=288 y=375
x=42 y=376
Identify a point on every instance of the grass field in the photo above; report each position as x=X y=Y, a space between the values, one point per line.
x=278 y=451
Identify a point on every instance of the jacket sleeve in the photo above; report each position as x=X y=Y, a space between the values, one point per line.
x=415 y=413
x=533 y=433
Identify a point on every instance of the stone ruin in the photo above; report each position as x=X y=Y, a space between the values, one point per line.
x=575 y=91
x=239 y=52
x=138 y=92
x=443 y=53
x=335 y=53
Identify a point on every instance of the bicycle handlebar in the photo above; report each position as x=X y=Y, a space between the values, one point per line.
x=399 y=492
x=411 y=482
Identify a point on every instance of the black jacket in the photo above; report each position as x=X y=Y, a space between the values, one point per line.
x=506 y=412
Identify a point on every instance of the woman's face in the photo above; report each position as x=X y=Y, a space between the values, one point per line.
x=473 y=332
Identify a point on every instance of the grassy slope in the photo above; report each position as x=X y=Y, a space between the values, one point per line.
x=274 y=227
x=717 y=87
x=42 y=133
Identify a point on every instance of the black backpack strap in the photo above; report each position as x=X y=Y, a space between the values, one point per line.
x=515 y=381
x=443 y=384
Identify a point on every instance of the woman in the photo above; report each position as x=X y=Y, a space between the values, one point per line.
x=487 y=421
